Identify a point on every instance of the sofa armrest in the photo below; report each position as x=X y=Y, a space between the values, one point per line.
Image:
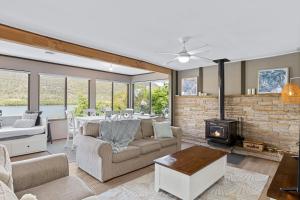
x=37 y=171
x=177 y=132
x=94 y=156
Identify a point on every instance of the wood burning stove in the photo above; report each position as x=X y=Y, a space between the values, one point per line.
x=222 y=131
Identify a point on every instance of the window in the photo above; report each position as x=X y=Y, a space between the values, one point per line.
x=120 y=96
x=159 y=96
x=52 y=96
x=13 y=92
x=142 y=97
x=103 y=95
x=77 y=95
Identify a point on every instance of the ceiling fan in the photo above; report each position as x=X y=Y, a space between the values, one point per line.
x=184 y=56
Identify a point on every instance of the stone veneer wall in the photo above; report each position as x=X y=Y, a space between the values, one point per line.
x=265 y=118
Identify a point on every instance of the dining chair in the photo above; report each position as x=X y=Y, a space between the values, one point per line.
x=90 y=112
x=72 y=129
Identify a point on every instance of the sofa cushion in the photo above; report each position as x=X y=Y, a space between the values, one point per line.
x=126 y=154
x=146 y=145
x=166 y=142
x=67 y=188
x=9 y=132
x=5 y=168
x=6 y=193
x=138 y=134
x=147 y=128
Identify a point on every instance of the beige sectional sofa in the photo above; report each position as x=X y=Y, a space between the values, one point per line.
x=45 y=177
x=95 y=156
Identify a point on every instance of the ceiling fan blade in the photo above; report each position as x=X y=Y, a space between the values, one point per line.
x=199 y=50
x=174 y=59
x=199 y=57
x=167 y=53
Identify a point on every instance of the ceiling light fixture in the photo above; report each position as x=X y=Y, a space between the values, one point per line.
x=111 y=68
x=183 y=58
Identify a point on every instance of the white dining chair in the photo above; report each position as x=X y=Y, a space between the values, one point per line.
x=73 y=129
x=90 y=112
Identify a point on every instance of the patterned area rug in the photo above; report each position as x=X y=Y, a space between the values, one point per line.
x=237 y=184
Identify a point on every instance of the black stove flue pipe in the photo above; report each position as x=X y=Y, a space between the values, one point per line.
x=221 y=77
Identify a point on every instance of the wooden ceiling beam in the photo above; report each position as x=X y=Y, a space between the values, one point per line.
x=44 y=42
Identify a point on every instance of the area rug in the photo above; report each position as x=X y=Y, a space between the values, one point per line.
x=237 y=184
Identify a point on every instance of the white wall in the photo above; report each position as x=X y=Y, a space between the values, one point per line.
x=58 y=127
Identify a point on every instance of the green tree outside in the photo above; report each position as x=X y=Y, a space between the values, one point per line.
x=160 y=99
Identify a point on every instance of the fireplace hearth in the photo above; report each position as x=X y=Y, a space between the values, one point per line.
x=221 y=131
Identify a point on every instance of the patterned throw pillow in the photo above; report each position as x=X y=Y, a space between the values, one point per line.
x=32 y=116
x=24 y=123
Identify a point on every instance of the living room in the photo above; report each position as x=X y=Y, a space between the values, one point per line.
x=121 y=102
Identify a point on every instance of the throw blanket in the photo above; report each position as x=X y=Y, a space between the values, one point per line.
x=119 y=133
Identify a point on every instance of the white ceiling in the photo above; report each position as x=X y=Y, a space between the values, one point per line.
x=235 y=29
x=23 y=51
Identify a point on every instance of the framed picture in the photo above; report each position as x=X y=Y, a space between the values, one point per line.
x=272 y=80
x=189 y=86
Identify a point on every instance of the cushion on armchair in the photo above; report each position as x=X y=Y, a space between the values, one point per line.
x=5 y=168
x=91 y=129
x=6 y=192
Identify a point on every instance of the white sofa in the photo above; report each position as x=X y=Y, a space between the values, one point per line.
x=20 y=141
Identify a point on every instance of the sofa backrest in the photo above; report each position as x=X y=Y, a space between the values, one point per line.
x=9 y=120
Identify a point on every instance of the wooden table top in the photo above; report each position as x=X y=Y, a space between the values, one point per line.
x=190 y=160
x=286 y=176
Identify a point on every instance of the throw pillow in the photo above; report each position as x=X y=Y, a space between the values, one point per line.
x=38 y=119
x=28 y=197
x=6 y=193
x=32 y=116
x=162 y=130
x=24 y=123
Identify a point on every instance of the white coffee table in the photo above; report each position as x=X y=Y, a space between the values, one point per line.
x=188 y=173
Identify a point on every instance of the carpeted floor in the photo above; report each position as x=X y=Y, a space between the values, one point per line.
x=237 y=184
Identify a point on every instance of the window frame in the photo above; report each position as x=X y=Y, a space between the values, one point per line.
x=127 y=90
x=150 y=93
x=65 y=91
x=133 y=95
x=28 y=82
x=112 y=91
